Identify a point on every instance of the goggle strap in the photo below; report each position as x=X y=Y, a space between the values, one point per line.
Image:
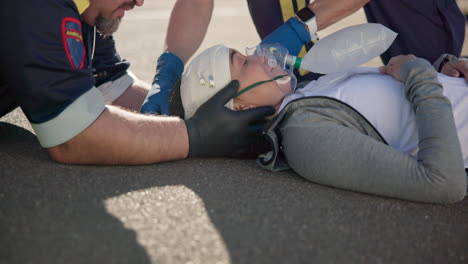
x=257 y=84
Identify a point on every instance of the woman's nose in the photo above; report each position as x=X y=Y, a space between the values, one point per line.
x=256 y=58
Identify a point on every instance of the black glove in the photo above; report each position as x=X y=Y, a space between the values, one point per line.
x=215 y=130
x=257 y=142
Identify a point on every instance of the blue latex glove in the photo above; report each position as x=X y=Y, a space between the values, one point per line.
x=168 y=71
x=292 y=34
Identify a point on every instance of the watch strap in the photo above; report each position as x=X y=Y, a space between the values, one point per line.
x=307 y=17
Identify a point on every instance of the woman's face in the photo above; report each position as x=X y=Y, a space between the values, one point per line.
x=249 y=70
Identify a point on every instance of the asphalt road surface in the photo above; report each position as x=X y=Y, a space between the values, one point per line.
x=202 y=210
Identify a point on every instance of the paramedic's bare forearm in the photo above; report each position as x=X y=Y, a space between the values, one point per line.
x=328 y=12
x=187 y=26
x=122 y=137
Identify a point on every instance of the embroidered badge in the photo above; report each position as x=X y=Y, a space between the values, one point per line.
x=73 y=42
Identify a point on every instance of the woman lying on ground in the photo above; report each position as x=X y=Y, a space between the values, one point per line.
x=401 y=132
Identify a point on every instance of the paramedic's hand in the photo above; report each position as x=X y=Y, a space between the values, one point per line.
x=292 y=34
x=215 y=130
x=457 y=68
x=168 y=71
x=393 y=66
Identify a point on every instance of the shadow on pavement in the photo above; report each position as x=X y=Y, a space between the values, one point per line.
x=53 y=213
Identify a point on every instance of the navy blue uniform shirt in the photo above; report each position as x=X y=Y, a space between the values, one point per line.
x=426 y=28
x=47 y=67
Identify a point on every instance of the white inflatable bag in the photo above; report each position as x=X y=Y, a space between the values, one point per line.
x=348 y=48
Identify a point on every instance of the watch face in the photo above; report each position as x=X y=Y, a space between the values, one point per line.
x=305 y=14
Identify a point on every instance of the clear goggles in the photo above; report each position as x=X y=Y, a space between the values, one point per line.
x=272 y=58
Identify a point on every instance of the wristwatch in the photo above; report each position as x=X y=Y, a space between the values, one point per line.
x=307 y=17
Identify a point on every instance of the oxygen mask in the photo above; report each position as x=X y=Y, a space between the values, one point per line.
x=272 y=58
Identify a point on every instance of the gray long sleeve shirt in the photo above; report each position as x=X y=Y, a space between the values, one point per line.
x=329 y=142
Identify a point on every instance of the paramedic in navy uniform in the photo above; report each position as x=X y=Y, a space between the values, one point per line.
x=59 y=64
x=426 y=29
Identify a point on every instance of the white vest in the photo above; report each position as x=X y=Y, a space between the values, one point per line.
x=381 y=100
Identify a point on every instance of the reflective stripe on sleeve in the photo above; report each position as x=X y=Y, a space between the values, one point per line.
x=72 y=121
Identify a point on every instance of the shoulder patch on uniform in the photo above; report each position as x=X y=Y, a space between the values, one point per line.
x=73 y=42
